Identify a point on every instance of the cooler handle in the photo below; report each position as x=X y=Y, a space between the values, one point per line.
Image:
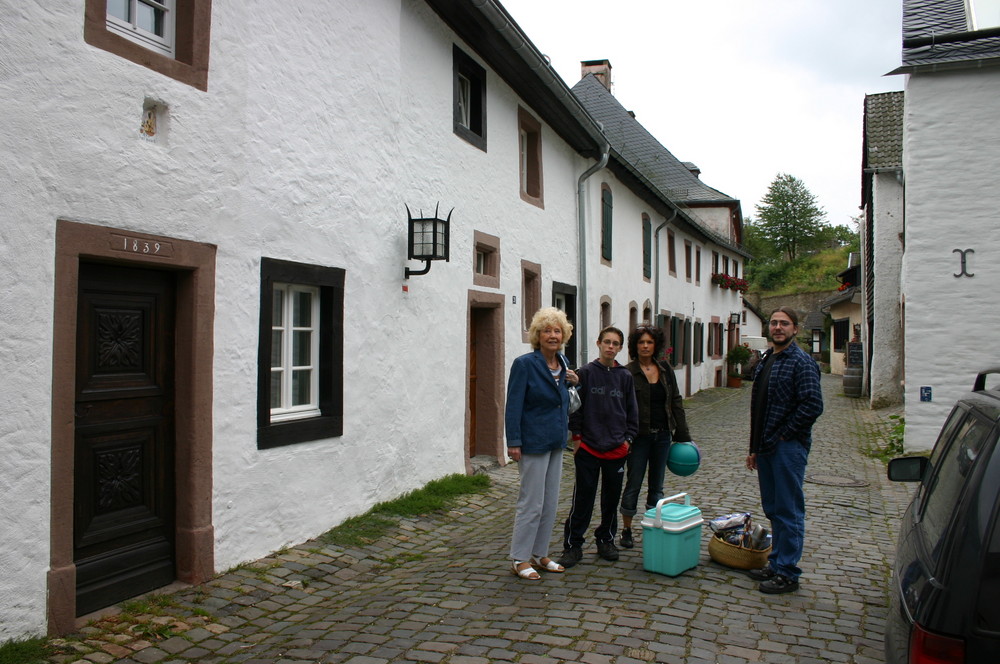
x=659 y=505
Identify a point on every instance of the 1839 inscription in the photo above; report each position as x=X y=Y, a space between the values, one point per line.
x=137 y=245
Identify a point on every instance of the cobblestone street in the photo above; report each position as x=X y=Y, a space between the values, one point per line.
x=439 y=589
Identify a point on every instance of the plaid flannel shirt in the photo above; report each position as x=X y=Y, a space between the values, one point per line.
x=794 y=399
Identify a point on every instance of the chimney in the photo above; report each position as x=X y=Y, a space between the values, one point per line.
x=691 y=166
x=599 y=68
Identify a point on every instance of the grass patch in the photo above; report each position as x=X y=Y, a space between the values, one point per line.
x=25 y=651
x=151 y=605
x=358 y=530
x=890 y=445
x=435 y=496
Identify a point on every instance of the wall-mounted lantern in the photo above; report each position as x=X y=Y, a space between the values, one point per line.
x=427 y=240
x=734 y=320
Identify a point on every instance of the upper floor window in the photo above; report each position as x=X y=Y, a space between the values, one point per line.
x=687 y=260
x=607 y=207
x=647 y=247
x=671 y=254
x=697 y=265
x=145 y=22
x=168 y=36
x=530 y=151
x=469 y=120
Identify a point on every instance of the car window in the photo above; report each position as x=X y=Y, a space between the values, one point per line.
x=956 y=417
x=988 y=506
x=953 y=466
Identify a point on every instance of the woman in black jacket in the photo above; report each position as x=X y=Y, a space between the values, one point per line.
x=661 y=419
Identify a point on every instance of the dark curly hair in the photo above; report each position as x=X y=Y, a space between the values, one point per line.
x=633 y=340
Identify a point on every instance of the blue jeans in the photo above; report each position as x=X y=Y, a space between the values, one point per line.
x=648 y=451
x=780 y=476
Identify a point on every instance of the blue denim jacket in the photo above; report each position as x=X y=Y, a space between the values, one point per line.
x=537 y=414
x=794 y=399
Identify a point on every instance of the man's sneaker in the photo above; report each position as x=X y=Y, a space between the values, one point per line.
x=626 y=538
x=762 y=574
x=607 y=550
x=571 y=556
x=778 y=584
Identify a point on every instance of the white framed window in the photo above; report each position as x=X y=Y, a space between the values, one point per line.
x=295 y=317
x=149 y=23
x=464 y=101
x=469 y=112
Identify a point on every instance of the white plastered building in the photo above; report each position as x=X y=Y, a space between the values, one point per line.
x=213 y=348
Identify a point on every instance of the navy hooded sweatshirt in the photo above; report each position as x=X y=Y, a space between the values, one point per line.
x=610 y=413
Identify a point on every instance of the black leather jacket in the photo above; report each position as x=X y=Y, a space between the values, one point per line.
x=675 y=402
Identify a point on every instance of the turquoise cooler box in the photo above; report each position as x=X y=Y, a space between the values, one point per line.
x=671 y=536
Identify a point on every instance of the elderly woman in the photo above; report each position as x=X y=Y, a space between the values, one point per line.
x=661 y=412
x=537 y=421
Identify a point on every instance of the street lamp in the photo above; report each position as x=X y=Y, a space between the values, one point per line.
x=427 y=240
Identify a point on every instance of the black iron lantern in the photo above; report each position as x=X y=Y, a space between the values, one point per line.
x=427 y=240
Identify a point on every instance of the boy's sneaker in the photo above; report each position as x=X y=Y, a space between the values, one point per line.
x=571 y=556
x=607 y=550
x=778 y=584
x=626 y=538
x=762 y=574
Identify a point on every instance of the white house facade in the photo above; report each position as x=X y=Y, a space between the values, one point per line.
x=948 y=275
x=214 y=348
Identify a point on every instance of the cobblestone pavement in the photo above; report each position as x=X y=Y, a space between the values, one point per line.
x=439 y=589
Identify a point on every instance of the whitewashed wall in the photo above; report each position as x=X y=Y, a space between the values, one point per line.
x=311 y=138
x=886 y=376
x=950 y=153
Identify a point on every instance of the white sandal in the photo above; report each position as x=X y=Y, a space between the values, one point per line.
x=551 y=566
x=528 y=572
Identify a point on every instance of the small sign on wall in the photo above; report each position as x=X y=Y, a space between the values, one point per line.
x=925 y=393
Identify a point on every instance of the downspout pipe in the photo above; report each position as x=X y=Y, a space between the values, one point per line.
x=656 y=253
x=581 y=220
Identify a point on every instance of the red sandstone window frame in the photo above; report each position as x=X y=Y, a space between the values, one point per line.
x=191 y=41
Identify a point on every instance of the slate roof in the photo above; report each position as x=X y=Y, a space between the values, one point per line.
x=937 y=35
x=632 y=143
x=883 y=131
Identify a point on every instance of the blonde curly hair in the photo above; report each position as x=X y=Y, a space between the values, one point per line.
x=549 y=317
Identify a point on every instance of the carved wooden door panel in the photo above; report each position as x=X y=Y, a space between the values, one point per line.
x=124 y=449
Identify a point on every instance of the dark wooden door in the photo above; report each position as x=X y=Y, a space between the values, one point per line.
x=124 y=451
x=474 y=323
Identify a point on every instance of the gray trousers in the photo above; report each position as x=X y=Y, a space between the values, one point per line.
x=537 y=501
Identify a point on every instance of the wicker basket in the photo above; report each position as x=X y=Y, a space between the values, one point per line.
x=731 y=555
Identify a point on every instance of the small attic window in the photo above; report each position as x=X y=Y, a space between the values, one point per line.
x=984 y=14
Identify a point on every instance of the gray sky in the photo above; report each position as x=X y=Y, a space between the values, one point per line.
x=745 y=89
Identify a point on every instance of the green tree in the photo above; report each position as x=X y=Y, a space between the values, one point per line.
x=790 y=216
x=834 y=237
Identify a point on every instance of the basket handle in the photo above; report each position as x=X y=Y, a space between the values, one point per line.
x=659 y=505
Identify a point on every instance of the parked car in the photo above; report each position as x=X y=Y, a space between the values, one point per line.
x=945 y=587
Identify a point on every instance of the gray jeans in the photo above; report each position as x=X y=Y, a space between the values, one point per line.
x=537 y=501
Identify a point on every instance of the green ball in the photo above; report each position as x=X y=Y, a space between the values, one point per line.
x=683 y=459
